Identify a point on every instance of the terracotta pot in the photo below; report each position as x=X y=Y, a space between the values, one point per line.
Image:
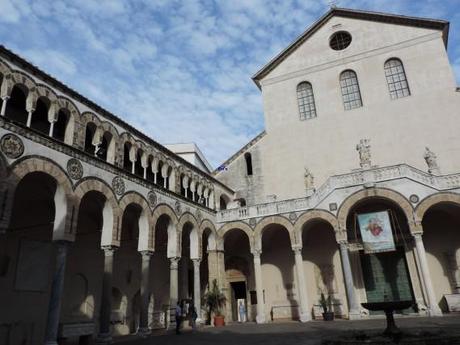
x=219 y=321
x=328 y=316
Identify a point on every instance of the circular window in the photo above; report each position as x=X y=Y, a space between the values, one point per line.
x=340 y=40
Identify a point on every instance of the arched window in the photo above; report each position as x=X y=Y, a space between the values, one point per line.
x=89 y=135
x=16 y=105
x=60 y=125
x=350 y=90
x=39 y=119
x=306 y=101
x=127 y=165
x=396 y=79
x=248 y=158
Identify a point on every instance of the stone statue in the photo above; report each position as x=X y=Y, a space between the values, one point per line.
x=364 y=150
x=431 y=161
x=308 y=179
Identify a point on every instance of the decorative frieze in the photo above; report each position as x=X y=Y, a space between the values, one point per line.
x=118 y=185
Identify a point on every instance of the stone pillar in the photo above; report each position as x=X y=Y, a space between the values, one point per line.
x=302 y=286
x=197 y=287
x=57 y=286
x=51 y=131
x=353 y=305
x=3 y=110
x=145 y=293
x=104 y=336
x=260 y=318
x=433 y=308
x=457 y=271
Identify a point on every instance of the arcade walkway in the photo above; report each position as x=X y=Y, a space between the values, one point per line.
x=293 y=333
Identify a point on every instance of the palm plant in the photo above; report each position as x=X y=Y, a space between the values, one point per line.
x=214 y=299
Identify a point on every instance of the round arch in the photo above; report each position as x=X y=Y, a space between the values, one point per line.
x=160 y=210
x=236 y=225
x=382 y=193
x=111 y=211
x=212 y=239
x=145 y=218
x=195 y=245
x=312 y=215
x=425 y=204
x=279 y=220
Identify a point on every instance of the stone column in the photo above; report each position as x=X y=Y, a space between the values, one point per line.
x=104 y=336
x=57 y=286
x=29 y=117
x=457 y=272
x=433 y=308
x=3 y=110
x=145 y=293
x=173 y=281
x=197 y=287
x=353 y=305
x=260 y=318
x=302 y=286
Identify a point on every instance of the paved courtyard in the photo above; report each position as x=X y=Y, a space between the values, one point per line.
x=294 y=333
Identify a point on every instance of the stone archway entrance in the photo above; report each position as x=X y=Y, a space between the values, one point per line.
x=236 y=271
x=383 y=275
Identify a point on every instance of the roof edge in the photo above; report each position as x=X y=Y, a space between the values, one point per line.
x=438 y=24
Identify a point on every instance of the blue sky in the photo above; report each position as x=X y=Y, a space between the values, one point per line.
x=179 y=70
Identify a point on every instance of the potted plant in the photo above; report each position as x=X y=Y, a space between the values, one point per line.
x=215 y=300
x=326 y=304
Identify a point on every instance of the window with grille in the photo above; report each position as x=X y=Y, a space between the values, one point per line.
x=350 y=90
x=306 y=101
x=396 y=79
x=340 y=40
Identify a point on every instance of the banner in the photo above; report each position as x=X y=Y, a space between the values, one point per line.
x=376 y=232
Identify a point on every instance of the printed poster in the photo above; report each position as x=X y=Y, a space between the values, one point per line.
x=376 y=232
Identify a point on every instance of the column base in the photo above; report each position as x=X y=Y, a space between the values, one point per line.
x=103 y=338
x=144 y=332
x=260 y=319
x=354 y=315
x=434 y=312
x=304 y=317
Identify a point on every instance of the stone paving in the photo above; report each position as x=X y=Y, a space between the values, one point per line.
x=293 y=332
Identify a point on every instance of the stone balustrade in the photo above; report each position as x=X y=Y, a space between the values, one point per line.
x=355 y=178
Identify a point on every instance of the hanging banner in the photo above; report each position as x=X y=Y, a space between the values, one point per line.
x=376 y=232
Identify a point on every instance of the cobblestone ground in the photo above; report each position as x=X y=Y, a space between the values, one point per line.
x=294 y=333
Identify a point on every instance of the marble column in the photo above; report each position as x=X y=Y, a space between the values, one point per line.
x=104 y=335
x=302 y=286
x=197 y=287
x=29 y=118
x=433 y=308
x=173 y=291
x=57 y=286
x=457 y=272
x=260 y=318
x=145 y=293
x=353 y=305
x=3 y=110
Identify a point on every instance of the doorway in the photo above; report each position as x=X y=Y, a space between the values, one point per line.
x=238 y=291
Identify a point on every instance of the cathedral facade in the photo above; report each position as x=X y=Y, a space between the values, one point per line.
x=350 y=195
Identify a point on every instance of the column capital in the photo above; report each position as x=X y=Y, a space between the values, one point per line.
x=343 y=243
x=174 y=262
x=417 y=235
x=196 y=261
x=109 y=250
x=297 y=250
x=256 y=253
x=5 y=98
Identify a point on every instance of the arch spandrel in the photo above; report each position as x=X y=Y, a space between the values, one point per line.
x=425 y=204
x=278 y=220
x=313 y=215
x=377 y=193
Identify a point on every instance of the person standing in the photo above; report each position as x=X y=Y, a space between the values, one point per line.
x=178 y=317
x=194 y=316
x=242 y=311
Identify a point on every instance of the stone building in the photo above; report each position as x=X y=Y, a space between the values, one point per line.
x=102 y=229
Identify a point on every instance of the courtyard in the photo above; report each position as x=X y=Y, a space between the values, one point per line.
x=288 y=333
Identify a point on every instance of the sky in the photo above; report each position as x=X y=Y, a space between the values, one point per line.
x=179 y=71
